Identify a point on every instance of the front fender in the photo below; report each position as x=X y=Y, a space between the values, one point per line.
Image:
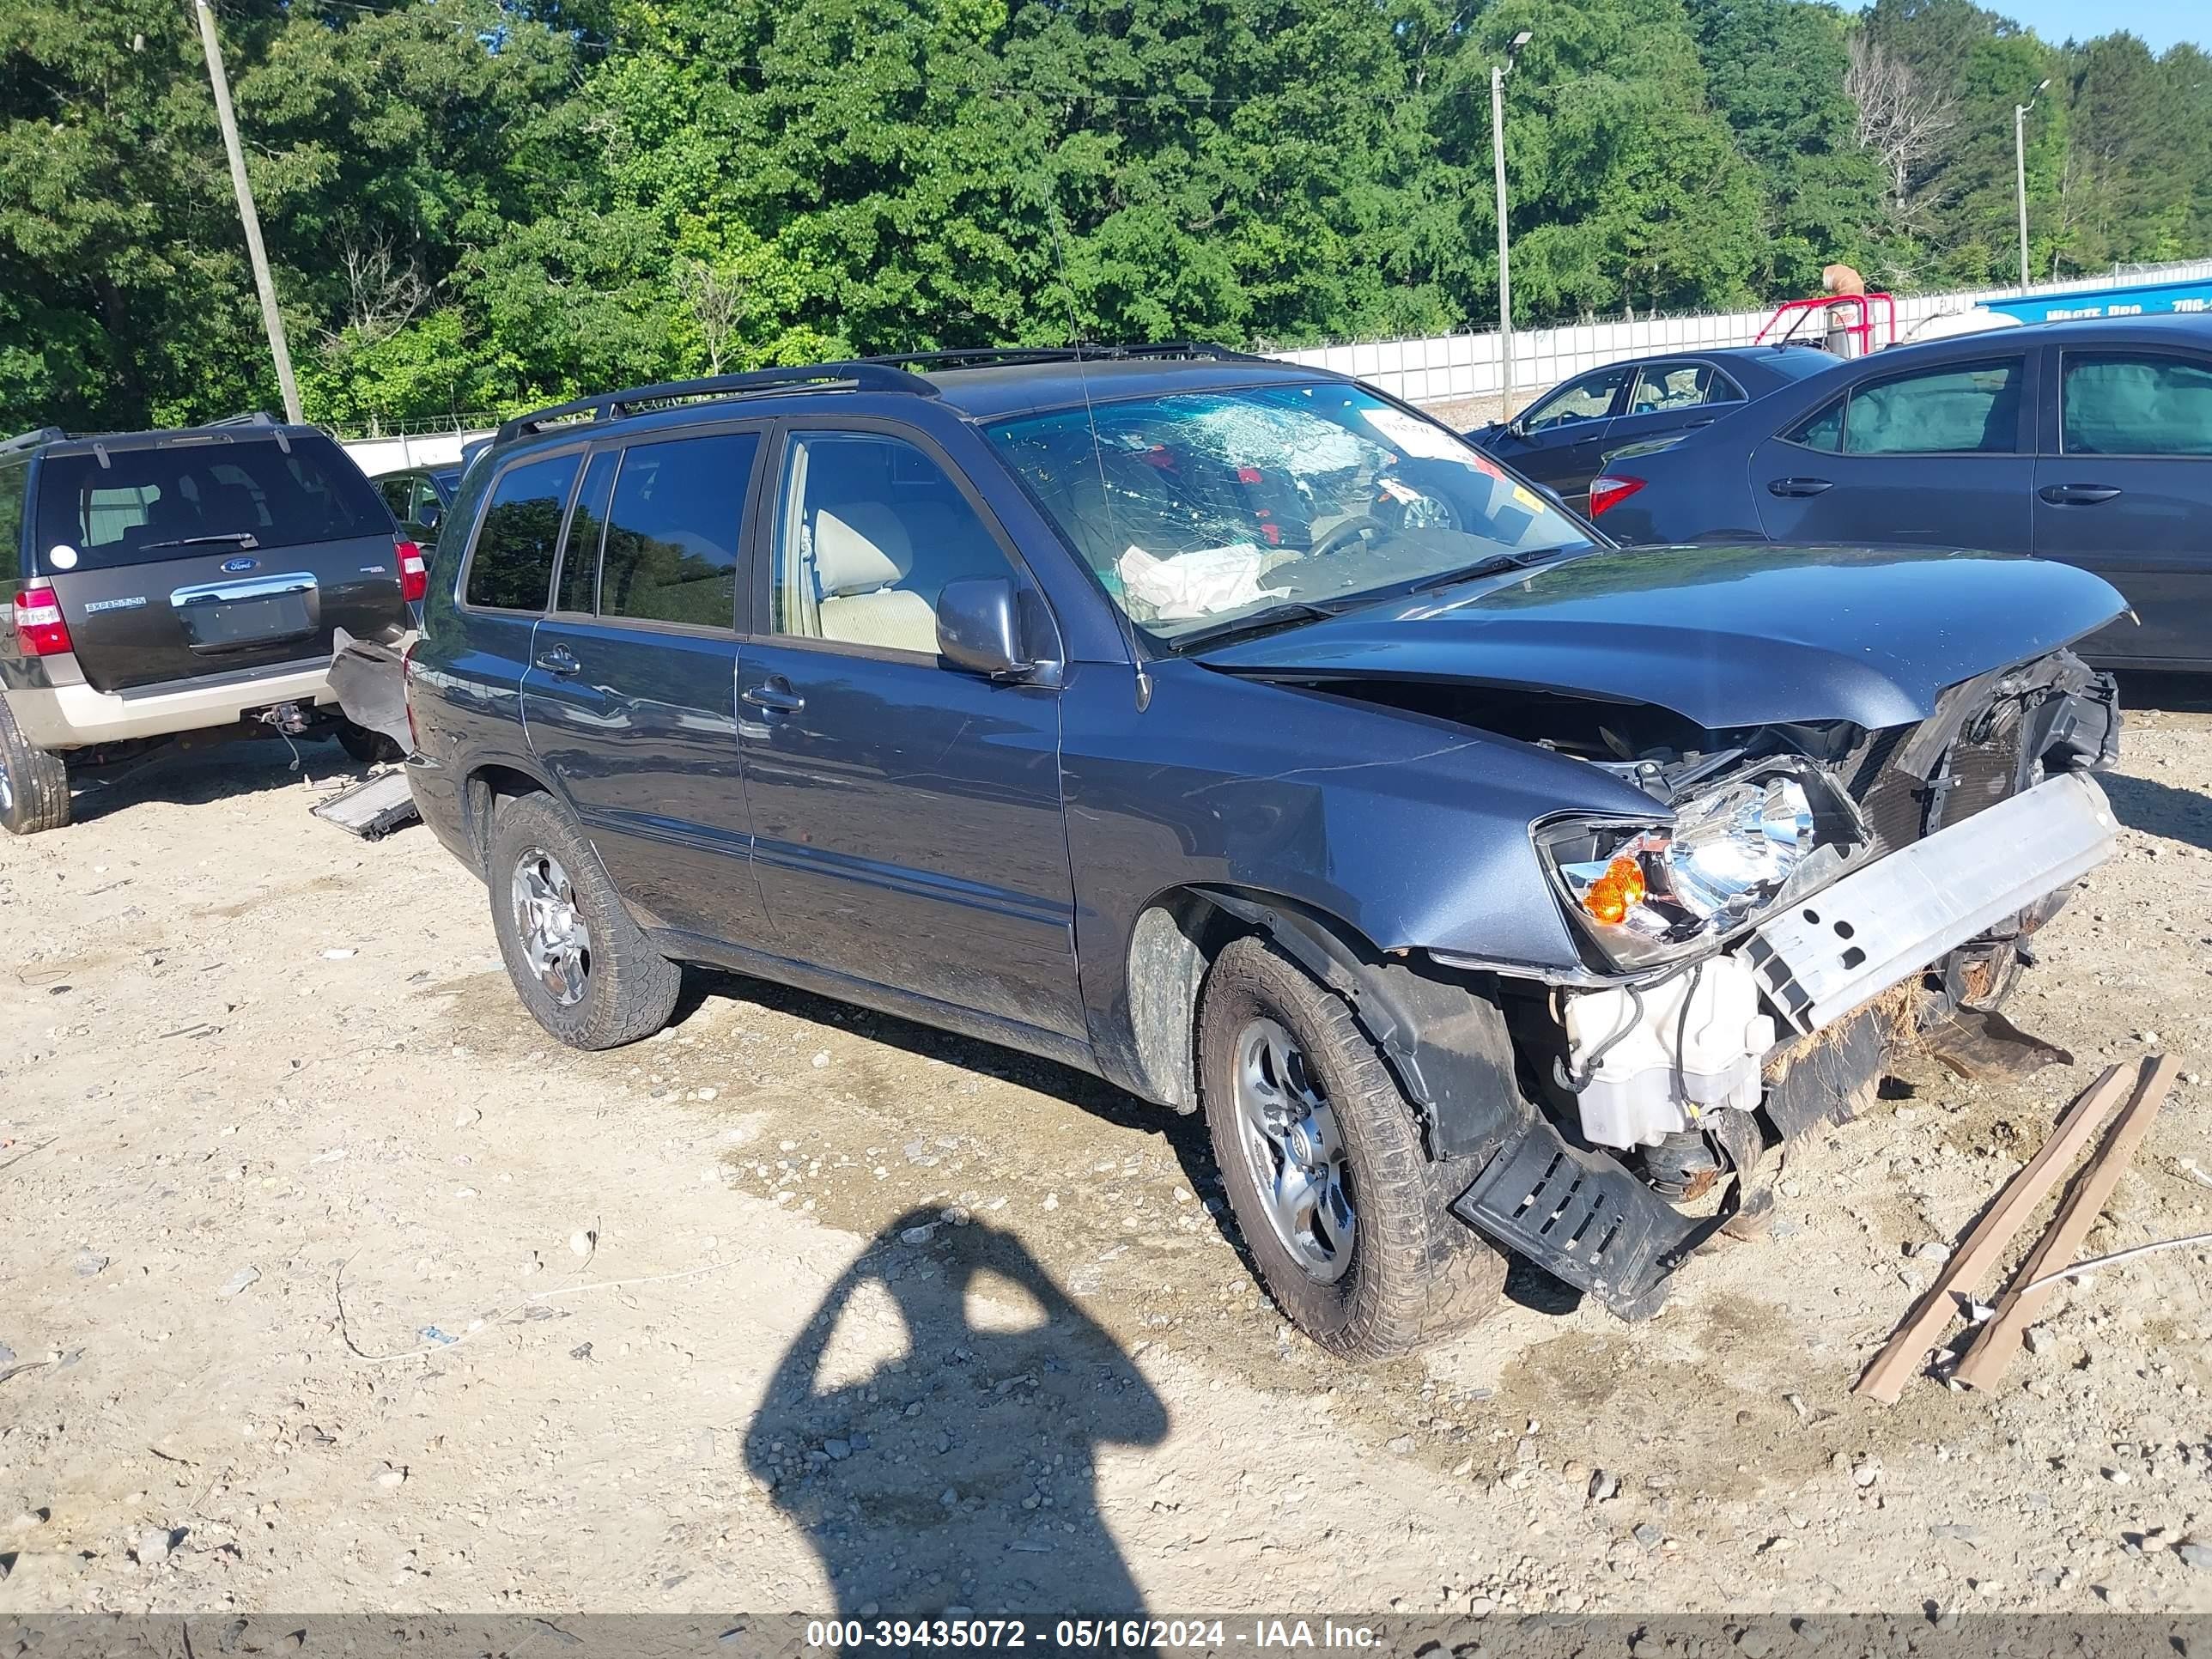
x=1412 y=832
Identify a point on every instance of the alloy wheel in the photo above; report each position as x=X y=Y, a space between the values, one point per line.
x=1291 y=1143
x=555 y=939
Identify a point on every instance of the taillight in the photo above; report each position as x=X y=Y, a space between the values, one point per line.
x=40 y=629
x=1611 y=489
x=407 y=691
x=414 y=574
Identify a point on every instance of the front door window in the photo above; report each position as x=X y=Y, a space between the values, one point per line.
x=870 y=532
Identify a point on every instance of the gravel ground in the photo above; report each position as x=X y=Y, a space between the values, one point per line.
x=330 y=1284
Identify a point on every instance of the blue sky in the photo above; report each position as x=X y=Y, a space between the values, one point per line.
x=2161 y=22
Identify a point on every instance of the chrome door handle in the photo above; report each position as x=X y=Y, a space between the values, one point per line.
x=773 y=696
x=1798 y=487
x=2077 y=495
x=559 y=660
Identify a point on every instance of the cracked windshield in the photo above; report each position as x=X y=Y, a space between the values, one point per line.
x=1205 y=512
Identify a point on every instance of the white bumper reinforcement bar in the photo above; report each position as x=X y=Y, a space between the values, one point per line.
x=1847 y=944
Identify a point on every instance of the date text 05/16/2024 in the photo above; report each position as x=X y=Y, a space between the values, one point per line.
x=1106 y=1635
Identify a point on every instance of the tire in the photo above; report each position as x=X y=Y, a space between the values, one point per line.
x=614 y=988
x=366 y=747
x=34 y=792
x=1413 y=1274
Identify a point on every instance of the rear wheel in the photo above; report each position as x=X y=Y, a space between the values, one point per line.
x=34 y=782
x=1338 y=1201
x=582 y=967
x=366 y=747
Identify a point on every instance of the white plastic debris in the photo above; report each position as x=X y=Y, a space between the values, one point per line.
x=1195 y=584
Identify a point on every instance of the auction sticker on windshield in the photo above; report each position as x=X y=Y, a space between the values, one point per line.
x=1415 y=436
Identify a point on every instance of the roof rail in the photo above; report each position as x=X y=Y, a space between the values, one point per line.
x=1191 y=348
x=1083 y=352
x=45 y=434
x=252 y=418
x=861 y=376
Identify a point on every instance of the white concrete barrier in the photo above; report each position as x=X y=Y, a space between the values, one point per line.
x=375 y=455
x=1455 y=367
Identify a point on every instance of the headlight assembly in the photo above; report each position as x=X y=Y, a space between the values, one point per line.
x=1644 y=893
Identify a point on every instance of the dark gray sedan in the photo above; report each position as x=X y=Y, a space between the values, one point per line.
x=1562 y=439
x=2089 y=442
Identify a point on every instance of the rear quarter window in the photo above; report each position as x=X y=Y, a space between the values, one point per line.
x=13 y=480
x=512 y=568
x=180 y=500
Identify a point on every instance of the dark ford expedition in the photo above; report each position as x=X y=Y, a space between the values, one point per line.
x=167 y=582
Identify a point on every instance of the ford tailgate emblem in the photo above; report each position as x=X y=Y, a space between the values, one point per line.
x=241 y=564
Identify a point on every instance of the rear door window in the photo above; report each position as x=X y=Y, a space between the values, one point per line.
x=2135 y=403
x=184 y=500
x=672 y=542
x=579 y=557
x=512 y=568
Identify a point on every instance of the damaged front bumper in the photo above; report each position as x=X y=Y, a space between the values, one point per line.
x=1819 y=964
x=1849 y=943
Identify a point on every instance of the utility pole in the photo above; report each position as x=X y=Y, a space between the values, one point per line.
x=1498 y=73
x=2020 y=169
x=271 y=319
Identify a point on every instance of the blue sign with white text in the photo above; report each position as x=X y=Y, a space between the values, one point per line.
x=2151 y=299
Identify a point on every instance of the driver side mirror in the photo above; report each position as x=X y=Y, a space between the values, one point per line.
x=429 y=516
x=979 y=628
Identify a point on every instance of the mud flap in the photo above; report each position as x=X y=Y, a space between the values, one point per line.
x=1584 y=1218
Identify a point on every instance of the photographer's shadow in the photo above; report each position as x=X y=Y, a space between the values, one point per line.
x=940 y=1463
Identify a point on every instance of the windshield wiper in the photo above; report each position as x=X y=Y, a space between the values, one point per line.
x=1288 y=612
x=1495 y=565
x=244 y=539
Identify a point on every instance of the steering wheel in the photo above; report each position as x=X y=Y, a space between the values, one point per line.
x=1351 y=530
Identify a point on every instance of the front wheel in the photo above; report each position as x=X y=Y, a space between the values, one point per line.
x=1338 y=1201
x=34 y=781
x=581 y=966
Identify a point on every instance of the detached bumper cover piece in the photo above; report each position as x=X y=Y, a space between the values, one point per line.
x=1584 y=1218
x=1851 y=941
x=370 y=686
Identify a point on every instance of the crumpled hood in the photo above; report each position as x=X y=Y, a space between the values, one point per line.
x=1723 y=635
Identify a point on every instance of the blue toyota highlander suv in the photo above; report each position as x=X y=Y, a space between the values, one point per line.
x=1230 y=731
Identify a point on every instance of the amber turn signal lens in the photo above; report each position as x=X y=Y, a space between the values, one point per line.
x=1618 y=891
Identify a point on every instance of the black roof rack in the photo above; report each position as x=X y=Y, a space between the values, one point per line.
x=252 y=418
x=859 y=374
x=1083 y=352
x=45 y=434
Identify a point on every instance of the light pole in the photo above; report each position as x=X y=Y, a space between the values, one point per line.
x=1498 y=73
x=2019 y=168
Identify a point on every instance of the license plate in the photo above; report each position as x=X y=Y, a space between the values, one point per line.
x=253 y=610
x=220 y=622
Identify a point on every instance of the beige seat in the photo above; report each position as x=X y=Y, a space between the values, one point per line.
x=860 y=550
